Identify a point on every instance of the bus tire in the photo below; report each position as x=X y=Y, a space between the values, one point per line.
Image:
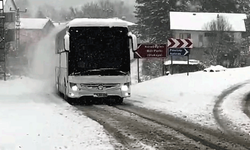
x=119 y=100
x=57 y=88
x=65 y=96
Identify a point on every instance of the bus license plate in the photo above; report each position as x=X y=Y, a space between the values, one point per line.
x=100 y=95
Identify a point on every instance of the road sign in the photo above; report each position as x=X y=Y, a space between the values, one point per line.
x=150 y=50
x=180 y=43
x=179 y=51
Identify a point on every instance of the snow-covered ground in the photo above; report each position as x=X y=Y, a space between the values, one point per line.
x=33 y=118
x=190 y=97
x=233 y=109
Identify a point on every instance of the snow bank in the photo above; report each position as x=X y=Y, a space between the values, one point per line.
x=189 y=97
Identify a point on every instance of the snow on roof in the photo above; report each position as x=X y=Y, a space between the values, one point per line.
x=197 y=21
x=56 y=24
x=110 y=22
x=129 y=23
x=59 y=23
x=181 y=62
x=33 y=23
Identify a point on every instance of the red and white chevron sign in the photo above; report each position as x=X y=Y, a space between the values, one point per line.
x=180 y=43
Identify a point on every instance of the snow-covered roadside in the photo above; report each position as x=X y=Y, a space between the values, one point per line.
x=189 y=97
x=36 y=120
x=232 y=109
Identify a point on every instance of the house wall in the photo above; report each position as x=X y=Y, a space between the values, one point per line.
x=48 y=27
x=199 y=38
x=9 y=26
x=30 y=37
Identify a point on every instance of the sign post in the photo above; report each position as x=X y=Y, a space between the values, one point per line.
x=172 y=68
x=188 y=64
x=150 y=51
x=138 y=70
x=179 y=47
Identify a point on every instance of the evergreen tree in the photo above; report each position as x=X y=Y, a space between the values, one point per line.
x=154 y=26
x=225 y=6
x=243 y=6
x=153 y=19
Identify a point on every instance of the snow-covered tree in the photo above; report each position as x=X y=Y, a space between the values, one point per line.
x=226 y=6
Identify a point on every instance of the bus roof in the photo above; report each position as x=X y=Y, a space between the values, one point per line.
x=96 y=22
x=181 y=62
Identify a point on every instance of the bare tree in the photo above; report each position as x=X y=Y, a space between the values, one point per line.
x=101 y=9
x=92 y=10
x=220 y=40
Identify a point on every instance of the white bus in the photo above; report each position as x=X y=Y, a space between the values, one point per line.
x=93 y=59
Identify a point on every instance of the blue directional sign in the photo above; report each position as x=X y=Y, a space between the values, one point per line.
x=179 y=51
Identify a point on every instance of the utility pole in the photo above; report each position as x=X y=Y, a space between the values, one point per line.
x=17 y=26
x=17 y=13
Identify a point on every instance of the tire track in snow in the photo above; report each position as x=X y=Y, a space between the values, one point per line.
x=223 y=122
x=136 y=132
x=207 y=137
x=246 y=109
x=126 y=123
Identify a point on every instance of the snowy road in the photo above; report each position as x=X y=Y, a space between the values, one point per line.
x=247 y=105
x=139 y=128
x=33 y=118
